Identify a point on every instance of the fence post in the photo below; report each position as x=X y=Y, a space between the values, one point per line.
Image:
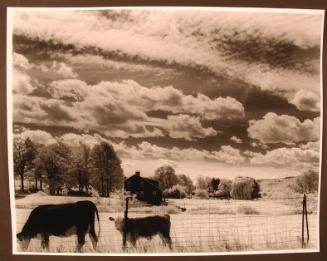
x=125 y=223
x=303 y=202
x=305 y=219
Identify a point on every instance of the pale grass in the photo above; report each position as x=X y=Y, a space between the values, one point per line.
x=206 y=226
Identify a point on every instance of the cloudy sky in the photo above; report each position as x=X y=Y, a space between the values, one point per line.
x=210 y=92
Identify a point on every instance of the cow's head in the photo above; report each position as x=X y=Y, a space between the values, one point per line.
x=119 y=223
x=23 y=240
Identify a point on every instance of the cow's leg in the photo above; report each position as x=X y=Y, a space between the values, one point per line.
x=132 y=239
x=166 y=239
x=81 y=231
x=45 y=241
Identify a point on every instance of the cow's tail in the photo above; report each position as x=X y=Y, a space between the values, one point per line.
x=97 y=214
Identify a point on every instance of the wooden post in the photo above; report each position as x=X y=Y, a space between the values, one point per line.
x=305 y=220
x=303 y=202
x=125 y=223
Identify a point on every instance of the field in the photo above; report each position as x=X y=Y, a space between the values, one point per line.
x=205 y=226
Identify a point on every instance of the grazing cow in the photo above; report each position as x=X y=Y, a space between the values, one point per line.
x=61 y=220
x=145 y=227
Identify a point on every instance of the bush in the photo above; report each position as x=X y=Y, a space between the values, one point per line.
x=307 y=182
x=176 y=191
x=245 y=188
x=201 y=193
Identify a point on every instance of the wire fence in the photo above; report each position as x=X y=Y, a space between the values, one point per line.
x=205 y=226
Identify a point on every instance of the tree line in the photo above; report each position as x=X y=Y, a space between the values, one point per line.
x=56 y=166
x=181 y=186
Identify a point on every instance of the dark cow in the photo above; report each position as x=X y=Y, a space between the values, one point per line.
x=61 y=220
x=146 y=227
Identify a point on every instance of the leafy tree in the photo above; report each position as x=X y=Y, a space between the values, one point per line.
x=81 y=170
x=55 y=160
x=24 y=153
x=307 y=182
x=166 y=177
x=107 y=171
x=38 y=172
x=215 y=183
x=176 y=191
x=203 y=183
x=186 y=182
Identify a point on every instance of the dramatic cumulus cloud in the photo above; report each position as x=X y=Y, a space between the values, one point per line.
x=75 y=140
x=311 y=145
x=172 y=100
x=273 y=128
x=306 y=101
x=143 y=150
x=288 y=157
x=221 y=42
x=21 y=62
x=59 y=68
x=146 y=150
x=187 y=127
x=120 y=109
x=37 y=136
x=22 y=81
x=31 y=109
x=227 y=154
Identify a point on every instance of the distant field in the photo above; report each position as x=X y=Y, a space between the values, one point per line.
x=206 y=226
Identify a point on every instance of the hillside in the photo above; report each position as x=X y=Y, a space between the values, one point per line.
x=277 y=188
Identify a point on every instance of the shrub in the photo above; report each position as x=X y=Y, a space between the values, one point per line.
x=245 y=188
x=201 y=193
x=176 y=191
x=307 y=182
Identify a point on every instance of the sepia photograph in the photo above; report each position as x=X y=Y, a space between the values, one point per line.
x=164 y=130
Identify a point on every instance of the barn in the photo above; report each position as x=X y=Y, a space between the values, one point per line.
x=146 y=189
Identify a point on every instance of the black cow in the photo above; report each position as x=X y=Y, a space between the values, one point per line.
x=61 y=220
x=145 y=227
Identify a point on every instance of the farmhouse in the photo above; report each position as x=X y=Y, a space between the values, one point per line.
x=145 y=189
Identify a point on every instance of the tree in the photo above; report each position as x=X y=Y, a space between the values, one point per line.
x=215 y=183
x=176 y=191
x=56 y=161
x=166 y=177
x=24 y=153
x=81 y=170
x=245 y=188
x=307 y=182
x=107 y=171
x=186 y=182
x=203 y=183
